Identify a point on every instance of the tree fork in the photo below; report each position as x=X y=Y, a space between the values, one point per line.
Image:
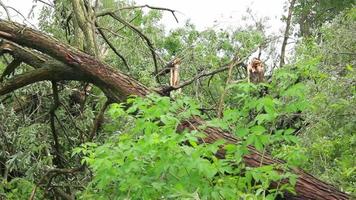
x=118 y=86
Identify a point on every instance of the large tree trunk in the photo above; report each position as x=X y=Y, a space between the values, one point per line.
x=117 y=86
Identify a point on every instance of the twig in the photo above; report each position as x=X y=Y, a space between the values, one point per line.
x=107 y=12
x=46 y=3
x=154 y=8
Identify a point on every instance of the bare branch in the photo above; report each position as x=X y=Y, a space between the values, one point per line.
x=112 y=46
x=107 y=12
x=112 y=32
x=286 y=33
x=23 y=17
x=6 y=10
x=46 y=3
x=143 y=36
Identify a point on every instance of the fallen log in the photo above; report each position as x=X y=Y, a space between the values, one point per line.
x=117 y=86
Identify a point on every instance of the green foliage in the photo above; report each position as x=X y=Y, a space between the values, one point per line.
x=329 y=138
x=311 y=15
x=18 y=189
x=149 y=160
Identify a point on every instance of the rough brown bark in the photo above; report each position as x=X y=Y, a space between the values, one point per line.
x=117 y=86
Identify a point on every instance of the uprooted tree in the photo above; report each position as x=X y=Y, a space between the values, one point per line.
x=54 y=61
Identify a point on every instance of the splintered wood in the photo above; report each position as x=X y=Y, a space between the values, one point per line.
x=255 y=71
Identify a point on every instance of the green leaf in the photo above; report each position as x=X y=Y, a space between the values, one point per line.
x=241 y=132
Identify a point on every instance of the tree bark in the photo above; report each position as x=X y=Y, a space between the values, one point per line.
x=117 y=86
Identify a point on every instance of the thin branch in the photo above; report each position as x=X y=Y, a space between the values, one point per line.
x=286 y=33
x=6 y=10
x=64 y=130
x=107 y=12
x=24 y=18
x=112 y=46
x=112 y=32
x=46 y=3
x=222 y=98
x=143 y=36
x=66 y=109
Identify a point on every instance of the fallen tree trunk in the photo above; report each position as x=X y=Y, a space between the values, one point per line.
x=117 y=86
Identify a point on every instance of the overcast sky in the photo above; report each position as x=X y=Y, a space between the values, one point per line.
x=203 y=13
x=224 y=13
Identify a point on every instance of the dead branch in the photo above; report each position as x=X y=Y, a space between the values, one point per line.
x=32 y=58
x=86 y=66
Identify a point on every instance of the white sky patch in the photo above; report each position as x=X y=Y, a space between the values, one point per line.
x=222 y=13
x=28 y=9
x=202 y=13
